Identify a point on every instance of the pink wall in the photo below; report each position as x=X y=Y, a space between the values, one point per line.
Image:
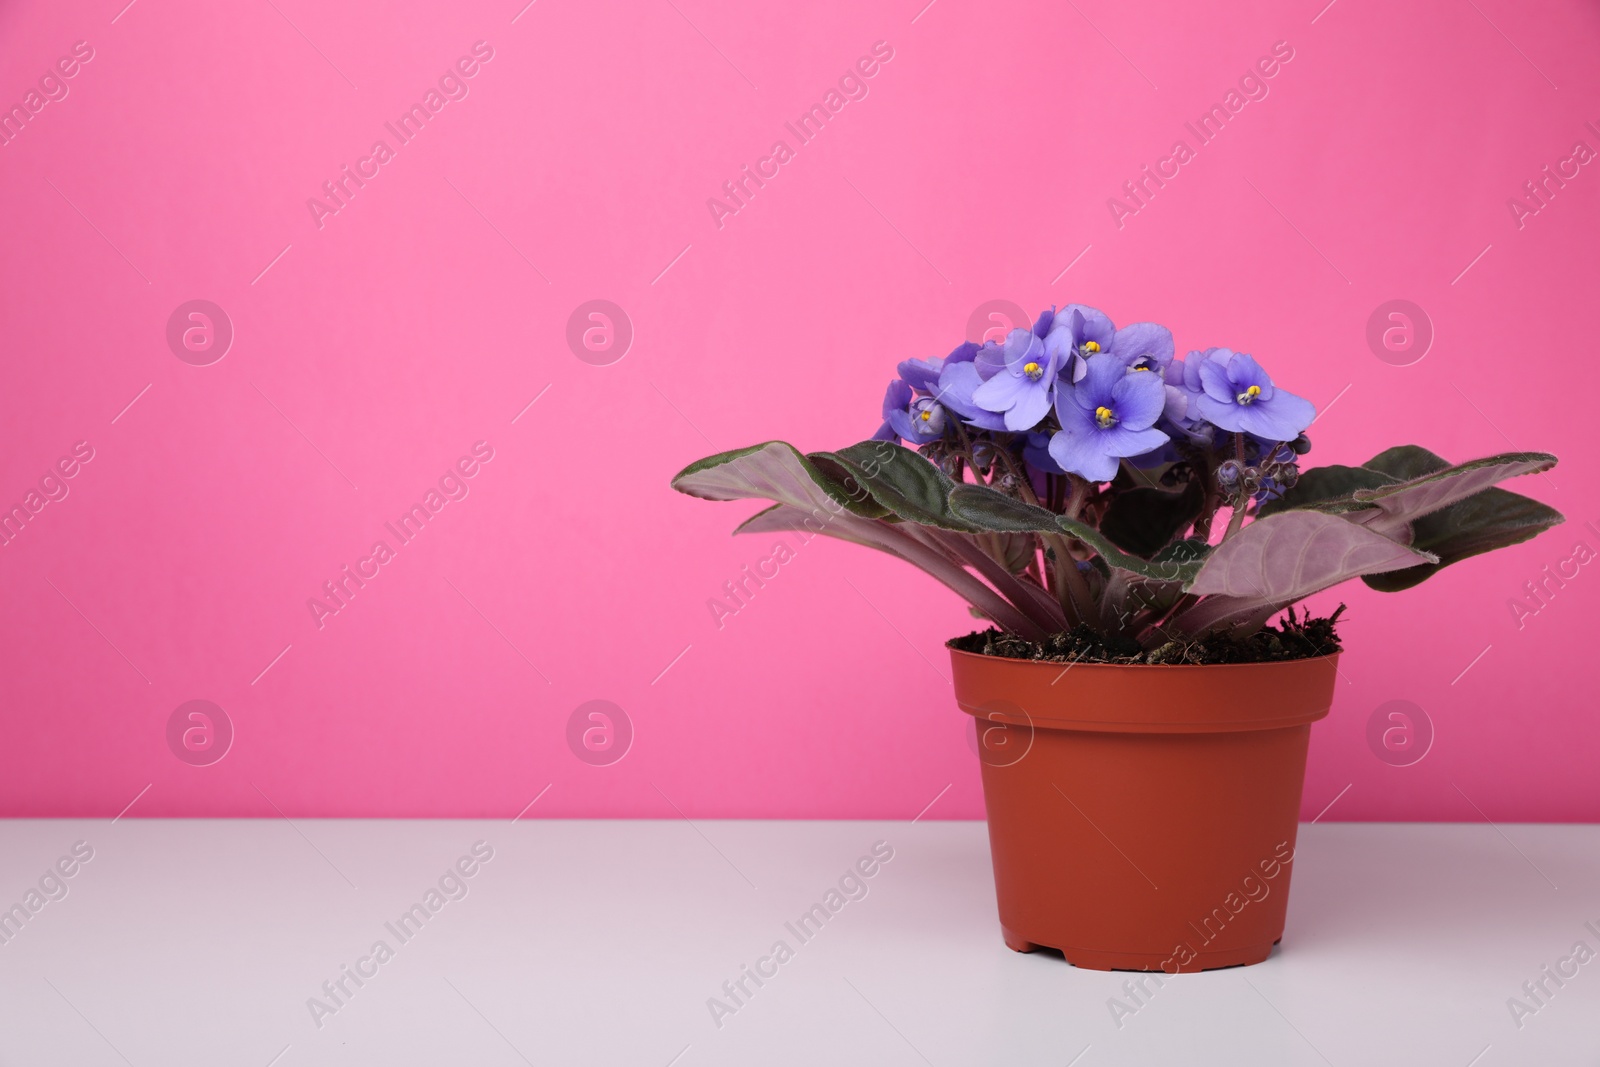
x=421 y=318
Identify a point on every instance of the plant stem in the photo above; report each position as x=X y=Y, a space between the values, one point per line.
x=1238 y=502
x=908 y=545
x=1024 y=596
x=1071 y=588
x=1206 y=471
x=1235 y=522
x=1025 y=485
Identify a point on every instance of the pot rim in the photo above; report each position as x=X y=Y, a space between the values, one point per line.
x=1077 y=665
x=1144 y=698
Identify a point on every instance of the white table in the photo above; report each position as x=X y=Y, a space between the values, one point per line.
x=200 y=942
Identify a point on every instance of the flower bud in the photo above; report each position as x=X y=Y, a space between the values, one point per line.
x=982 y=455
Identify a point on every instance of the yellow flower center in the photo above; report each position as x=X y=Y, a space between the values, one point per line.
x=926 y=415
x=1033 y=371
x=1249 y=394
x=1104 y=417
x=1091 y=346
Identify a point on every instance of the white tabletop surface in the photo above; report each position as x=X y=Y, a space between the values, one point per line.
x=589 y=942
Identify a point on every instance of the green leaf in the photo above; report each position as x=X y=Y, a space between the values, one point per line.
x=1142 y=520
x=1482 y=522
x=1182 y=554
x=1128 y=594
x=1331 y=488
x=899 y=480
x=984 y=508
x=811 y=500
x=1178 y=567
x=859 y=500
x=1405 y=462
x=1404 y=502
x=990 y=509
x=1409 y=493
x=1494 y=518
x=1403 y=483
x=772 y=471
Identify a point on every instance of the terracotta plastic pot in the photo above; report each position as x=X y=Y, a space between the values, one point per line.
x=1143 y=817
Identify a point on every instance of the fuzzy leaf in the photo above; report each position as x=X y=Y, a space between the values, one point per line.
x=808 y=498
x=1491 y=519
x=1180 y=566
x=1415 y=496
x=1405 y=502
x=1288 y=556
x=1405 y=462
x=898 y=480
x=1494 y=518
x=1182 y=554
x=783 y=518
x=1016 y=551
x=772 y=471
x=1280 y=559
x=1128 y=595
x=991 y=509
x=1331 y=488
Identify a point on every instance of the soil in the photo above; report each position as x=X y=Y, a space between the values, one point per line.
x=1294 y=638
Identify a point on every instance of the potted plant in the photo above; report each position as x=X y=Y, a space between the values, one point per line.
x=1130 y=523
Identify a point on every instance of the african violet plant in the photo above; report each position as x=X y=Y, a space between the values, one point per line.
x=1079 y=475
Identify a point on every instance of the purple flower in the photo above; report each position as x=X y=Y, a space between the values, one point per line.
x=1239 y=396
x=957 y=383
x=912 y=406
x=962 y=353
x=1183 y=389
x=1037 y=453
x=1143 y=346
x=920 y=423
x=918 y=419
x=923 y=374
x=1107 y=416
x=1083 y=324
x=1024 y=390
x=895 y=398
x=990 y=359
x=1074 y=334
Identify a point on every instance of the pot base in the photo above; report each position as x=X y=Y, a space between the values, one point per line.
x=1098 y=960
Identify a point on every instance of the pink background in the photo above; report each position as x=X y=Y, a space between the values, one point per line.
x=428 y=312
